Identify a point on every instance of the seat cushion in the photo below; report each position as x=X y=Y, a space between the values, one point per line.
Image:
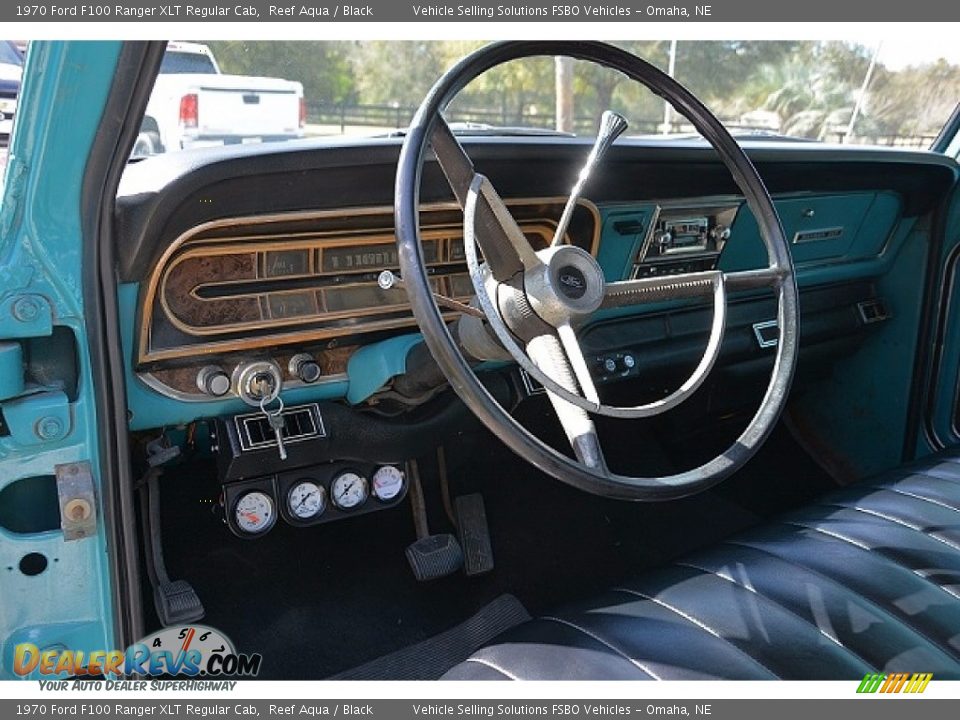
x=867 y=579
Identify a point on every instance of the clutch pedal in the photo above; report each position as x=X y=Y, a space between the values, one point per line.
x=176 y=601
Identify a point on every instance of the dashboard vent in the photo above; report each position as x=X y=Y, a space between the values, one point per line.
x=301 y=423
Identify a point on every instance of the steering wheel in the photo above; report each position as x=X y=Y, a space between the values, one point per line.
x=534 y=301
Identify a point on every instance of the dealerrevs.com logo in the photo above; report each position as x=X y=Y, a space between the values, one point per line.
x=894 y=682
x=190 y=651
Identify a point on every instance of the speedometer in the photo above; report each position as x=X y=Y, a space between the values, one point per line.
x=349 y=490
x=306 y=500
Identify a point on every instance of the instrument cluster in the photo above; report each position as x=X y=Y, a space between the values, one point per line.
x=300 y=291
x=311 y=496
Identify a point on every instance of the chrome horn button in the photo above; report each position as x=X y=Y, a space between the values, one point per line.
x=569 y=283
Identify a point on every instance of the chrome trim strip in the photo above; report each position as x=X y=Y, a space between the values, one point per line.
x=758 y=329
x=818 y=235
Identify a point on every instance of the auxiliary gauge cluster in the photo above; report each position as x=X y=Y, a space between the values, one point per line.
x=311 y=496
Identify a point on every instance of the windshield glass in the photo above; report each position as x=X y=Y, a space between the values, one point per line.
x=857 y=92
x=177 y=61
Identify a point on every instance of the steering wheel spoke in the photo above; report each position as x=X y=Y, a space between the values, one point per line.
x=687 y=285
x=658 y=289
x=555 y=358
x=578 y=363
x=769 y=277
x=506 y=249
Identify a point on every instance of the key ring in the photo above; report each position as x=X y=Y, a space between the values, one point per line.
x=264 y=404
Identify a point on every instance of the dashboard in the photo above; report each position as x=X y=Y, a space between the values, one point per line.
x=271 y=255
x=252 y=272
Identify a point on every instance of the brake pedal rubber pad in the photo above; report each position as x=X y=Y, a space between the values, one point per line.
x=474 y=534
x=434 y=556
x=177 y=602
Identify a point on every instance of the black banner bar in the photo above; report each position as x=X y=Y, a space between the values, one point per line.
x=538 y=11
x=228 y=708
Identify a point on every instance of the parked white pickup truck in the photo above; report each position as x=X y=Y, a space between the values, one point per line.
x=194 y=105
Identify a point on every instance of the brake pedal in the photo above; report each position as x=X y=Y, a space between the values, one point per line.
x=432 y=556
x=474 y=534
x=176 y=601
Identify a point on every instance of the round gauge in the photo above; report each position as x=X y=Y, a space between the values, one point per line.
x=349 y=490
x=387 y=483
x=254 y=512
x=306 y=500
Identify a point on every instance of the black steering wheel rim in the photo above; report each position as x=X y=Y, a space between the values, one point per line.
x=456 y=368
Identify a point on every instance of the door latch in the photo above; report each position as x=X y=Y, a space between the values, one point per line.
x=78 y=506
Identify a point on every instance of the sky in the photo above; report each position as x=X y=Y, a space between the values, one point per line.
x=897 y=53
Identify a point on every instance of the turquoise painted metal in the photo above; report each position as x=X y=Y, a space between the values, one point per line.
x=370 y=367
x=11 y=369
x=39 y=418
x=67 y=603
x=617 y=251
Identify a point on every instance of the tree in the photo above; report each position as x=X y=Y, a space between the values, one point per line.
x=322 y=67
x=514 y=91
x=391 y=72
x=914 y=101
x=813 y=90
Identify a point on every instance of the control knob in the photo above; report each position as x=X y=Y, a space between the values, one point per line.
x=612 y=364
x=213 y=381
x=304 y=367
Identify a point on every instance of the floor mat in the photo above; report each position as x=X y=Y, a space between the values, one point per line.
x=317 y=601
x=431 y=658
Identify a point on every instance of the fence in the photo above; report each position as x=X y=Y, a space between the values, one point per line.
x=399 y=116
x=339 y=119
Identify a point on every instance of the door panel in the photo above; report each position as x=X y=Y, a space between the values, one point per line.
x=54 y=591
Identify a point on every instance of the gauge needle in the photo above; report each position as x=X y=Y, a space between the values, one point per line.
x=252 y=517
x=186 y=641
x=305 y=498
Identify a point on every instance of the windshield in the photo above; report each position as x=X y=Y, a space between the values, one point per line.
x=9 y=53
x=858 y=92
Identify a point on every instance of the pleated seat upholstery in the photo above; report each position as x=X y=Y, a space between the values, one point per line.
x=867 y=579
